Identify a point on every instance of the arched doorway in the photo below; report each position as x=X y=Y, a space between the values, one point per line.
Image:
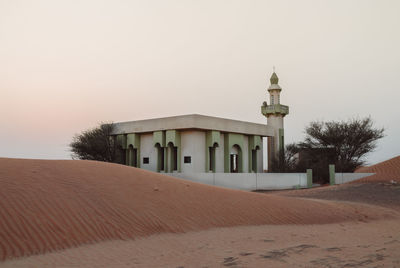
x=160 y=157
x=254 y=159
x=235 y=159
x=172 y=157
x=132 y=156
x=212 y=157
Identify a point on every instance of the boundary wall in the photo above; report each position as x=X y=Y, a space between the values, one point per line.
x=341 y=178
x=261 y=181
x=248 y=181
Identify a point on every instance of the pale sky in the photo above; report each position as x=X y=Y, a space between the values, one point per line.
x=67 y=65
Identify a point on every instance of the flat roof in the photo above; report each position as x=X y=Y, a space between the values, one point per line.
x=193 y=121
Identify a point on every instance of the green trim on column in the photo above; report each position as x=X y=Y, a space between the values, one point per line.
x=281 y=139
x=254 y=142
x=212 y=137
x=174 y=137
x=159 y=137
x=226 y=153
x=309 y=178
x=332 y=174
x=231 y=139
x=134 y=140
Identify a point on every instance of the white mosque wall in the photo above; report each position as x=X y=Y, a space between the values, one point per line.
x=193 y=144
x=148 y=150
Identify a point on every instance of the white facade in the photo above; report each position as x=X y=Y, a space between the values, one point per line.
x=192 y=151
x=147 y=150
x=193 y=145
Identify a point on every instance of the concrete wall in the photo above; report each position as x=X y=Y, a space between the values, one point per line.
x=193 y=144
x=148 y=150
x=248 y=181
x=341 y=178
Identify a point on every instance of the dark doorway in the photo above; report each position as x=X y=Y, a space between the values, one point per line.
x=212 y=158
x=175 y=158
x=132 y=156
x=254 y=160
x=161 y=158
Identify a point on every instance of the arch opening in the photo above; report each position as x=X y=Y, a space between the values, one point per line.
x=172 y=157
x=160 y=157
x=254 y=159
x=132 y=156
x=212 y=157
x=235 y=159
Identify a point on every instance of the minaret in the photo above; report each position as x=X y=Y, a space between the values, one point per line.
x=275 y=112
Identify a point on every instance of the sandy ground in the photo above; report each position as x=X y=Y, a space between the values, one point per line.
x=385 y=171
x=90 y=214
x=350 y=244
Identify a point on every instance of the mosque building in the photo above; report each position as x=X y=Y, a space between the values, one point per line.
x=203 y=144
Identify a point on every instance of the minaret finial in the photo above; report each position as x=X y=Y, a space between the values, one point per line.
x=273 y=68
x=274 y=79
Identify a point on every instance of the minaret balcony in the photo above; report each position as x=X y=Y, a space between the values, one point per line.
x=275 y=109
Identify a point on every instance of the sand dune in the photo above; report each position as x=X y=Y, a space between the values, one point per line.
x=47 y=205
x=386 y=171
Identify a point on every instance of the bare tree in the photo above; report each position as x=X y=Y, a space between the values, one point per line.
x=95 y=144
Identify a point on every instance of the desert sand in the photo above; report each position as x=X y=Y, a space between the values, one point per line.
x=85 y=214
x=385 y=171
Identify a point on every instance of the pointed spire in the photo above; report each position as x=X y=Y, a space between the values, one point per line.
x=274 y=79
x=274 y=82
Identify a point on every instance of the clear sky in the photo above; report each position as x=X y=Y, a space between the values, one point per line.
x=65 y=66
